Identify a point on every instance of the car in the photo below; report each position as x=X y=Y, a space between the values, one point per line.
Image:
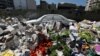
x=51 y=17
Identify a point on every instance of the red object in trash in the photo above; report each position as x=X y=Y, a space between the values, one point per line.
x=41 y=47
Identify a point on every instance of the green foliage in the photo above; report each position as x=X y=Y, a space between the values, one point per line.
x=66 y=49
x=87 y=35
x=53 y=48
x=55 y=37
x=98 y=28
x=66 y=32
x=53 y=53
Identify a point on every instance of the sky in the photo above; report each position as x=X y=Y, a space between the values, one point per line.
x=77 y=2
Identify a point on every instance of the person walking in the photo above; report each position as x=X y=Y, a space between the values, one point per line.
x=73 y=32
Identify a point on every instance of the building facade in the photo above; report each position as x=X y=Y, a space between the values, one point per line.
x=4 y=4
x=31 y=4
x=20 y=4
x=92 y=5
x=43 y=4
x=52 y=6
x=24 y=4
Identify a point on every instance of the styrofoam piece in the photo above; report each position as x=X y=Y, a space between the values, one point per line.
x=1 y=31
x=10 y=28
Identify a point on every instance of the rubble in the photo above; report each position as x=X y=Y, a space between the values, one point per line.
x=20 y=38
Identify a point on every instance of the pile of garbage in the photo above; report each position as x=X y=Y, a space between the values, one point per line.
x=18 y=38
